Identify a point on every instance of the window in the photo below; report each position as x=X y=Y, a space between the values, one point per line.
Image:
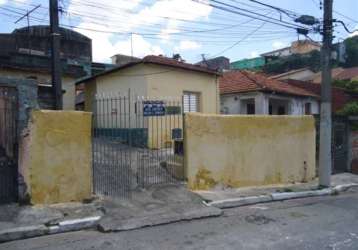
x=191 y=102
x=308 y=108
x=250 y=108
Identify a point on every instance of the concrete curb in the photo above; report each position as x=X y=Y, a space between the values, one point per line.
x=112 y=224
x=242 y=201
x=40 y=230
x=251 y=200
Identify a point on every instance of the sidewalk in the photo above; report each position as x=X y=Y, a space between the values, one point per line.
x=160 y=204
x=19 y=222
x=230 y=197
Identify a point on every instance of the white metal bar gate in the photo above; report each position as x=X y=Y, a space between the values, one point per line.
x=137 y=142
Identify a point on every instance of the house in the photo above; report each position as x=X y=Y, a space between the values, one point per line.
x=157 y=77
x=25 y=53
x=297 y=47
x=170 y=85
x=248 y=64
x=302 y=74
x=244 y=92
x=340 y=97
x=337 y=74
x=220 y=63
x=119 y=59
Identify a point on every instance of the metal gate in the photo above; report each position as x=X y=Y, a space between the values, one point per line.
x=8 y=144
x=137 y=142
x=340 y=145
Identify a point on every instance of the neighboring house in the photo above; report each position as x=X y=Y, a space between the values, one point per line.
x=340 y=97
x=220 y=63
x=248 y=64
x=157 y=77
x=338 y=74
x=25 y=53
x=243 y=92
x=303 y=74
x=120 y=59
x=297 y=47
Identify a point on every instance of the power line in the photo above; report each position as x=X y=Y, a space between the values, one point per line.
x=277 y=22
x=236 y=43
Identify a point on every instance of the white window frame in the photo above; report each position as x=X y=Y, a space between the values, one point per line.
x=191 y=101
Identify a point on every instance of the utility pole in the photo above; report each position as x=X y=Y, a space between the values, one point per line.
x=325 y=144
x=56 y=67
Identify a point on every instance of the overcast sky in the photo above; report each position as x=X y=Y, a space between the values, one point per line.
x=179 y=26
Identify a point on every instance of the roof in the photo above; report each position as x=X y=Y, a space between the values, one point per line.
x=338 y=74
x=348 y=73
x=245 y=81
x=290 y=73
x=157 y=60
x=339 y=96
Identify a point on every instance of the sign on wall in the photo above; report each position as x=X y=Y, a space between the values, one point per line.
x=153 y=108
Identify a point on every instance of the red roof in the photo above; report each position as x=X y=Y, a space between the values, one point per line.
x=158 y=60
x=348 y=74
x=339 y=96
x=166 y=61
x=245 y=81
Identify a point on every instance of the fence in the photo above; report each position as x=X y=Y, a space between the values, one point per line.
x=8 y=144
x=136 y=143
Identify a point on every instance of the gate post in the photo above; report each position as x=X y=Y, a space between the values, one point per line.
x=26 y=101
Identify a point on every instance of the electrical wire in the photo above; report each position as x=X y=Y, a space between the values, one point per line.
x=236 y=43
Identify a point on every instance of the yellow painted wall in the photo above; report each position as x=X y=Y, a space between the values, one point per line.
x=58 y=148
x=68 y=84
x=155 y=83
x=243 y=150
x=90 y=92
x=172 y=83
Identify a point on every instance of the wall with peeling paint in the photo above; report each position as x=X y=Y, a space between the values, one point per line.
x=58 y=153
x=244 y=150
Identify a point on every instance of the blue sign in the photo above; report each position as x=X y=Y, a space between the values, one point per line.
x=153 y=108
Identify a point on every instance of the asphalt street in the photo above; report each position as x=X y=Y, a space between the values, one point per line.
x=329 y=222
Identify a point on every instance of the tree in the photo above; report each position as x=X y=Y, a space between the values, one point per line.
x=295 y=61
x=351 y=51
x=347 y=84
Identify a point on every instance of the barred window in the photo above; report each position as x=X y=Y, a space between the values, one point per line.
x=191 y=102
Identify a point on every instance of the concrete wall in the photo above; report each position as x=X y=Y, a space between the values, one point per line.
x=239 y=151
x=233 y=103
x=56 y=157
x=68 y=84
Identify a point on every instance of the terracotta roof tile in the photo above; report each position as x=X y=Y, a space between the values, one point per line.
x=162 y=60
x=348 y=74
x=338 y=74
x=245 y=81
x=339 y=96
x=159 y=60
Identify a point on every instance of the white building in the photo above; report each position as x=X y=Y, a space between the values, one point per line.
x=243 y=92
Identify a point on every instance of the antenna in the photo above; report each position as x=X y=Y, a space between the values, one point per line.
x=27 y=15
